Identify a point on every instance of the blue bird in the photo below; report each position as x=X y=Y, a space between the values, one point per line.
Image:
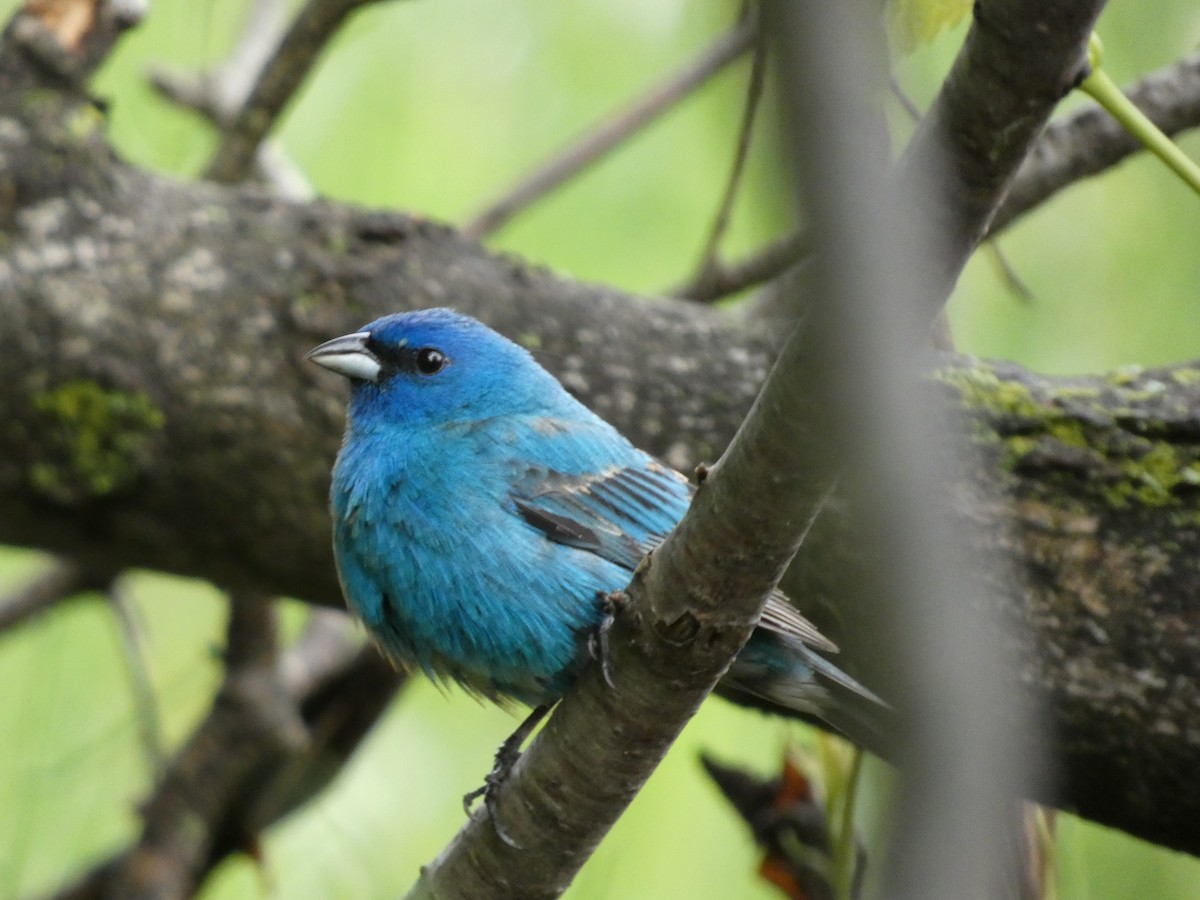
x=481 y=514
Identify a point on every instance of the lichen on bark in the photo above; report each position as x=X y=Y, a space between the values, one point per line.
x=95 y=440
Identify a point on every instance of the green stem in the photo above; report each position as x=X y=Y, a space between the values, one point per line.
x=1102 y=89
x=844 y=855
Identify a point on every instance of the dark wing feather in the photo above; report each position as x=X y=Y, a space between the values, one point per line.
x=559 y=529
x=781 y=617
x=621 y=515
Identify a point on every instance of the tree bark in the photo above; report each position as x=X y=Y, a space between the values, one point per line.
x=155 y=411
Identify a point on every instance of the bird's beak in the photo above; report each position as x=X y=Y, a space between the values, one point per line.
x=348 y=355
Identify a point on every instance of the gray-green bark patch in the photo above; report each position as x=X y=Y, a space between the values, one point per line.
x=1097 y=434
x=97 y=440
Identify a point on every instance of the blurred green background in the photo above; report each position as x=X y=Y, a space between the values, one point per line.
x=433 y=107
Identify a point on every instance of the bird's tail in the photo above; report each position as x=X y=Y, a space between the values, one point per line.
x=780 y=674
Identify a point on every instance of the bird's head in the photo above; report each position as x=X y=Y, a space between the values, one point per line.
x=437 y=366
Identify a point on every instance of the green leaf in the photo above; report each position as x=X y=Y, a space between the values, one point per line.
x=912 y=23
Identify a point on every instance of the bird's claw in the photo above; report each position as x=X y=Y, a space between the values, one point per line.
x=598 y=639
x=490 y=791
x=506 y=758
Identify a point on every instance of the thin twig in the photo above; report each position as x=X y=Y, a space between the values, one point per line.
x=64 y=578
x=845 y=851
x=217 y=93
x=1008 y=275
x=141 y=679
x=1084 y=143
x=905 y=101
x=1090 y=141
x=612 y=132
x=710 y=265
x=278 y=82
x=749 y=271
x=716 y=279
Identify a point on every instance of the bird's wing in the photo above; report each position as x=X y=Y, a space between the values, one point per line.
x=620 y=514
x=623 y=513
x=781 y=617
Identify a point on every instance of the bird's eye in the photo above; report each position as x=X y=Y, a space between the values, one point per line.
x=430 y=360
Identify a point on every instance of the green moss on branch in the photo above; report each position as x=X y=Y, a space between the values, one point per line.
x=97 y=440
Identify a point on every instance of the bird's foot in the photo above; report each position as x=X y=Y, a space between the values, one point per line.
x=598 y=639
x=489 y=791
x=506 y=758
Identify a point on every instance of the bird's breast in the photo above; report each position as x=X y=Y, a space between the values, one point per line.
x=448 y=578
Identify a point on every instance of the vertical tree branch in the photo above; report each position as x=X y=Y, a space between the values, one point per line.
x=339 y=687
x=710 y=268
x=879 y=278
x=985 y=119
x=252 y=715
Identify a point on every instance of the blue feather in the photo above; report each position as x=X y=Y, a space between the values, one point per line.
x=480 y=512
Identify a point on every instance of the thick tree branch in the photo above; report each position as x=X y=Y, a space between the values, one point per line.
x=689 y=609
x=1019 y=59
x=1088 y=486
x=156 y=412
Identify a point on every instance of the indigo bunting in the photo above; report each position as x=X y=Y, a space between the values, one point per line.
x=481 y=514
